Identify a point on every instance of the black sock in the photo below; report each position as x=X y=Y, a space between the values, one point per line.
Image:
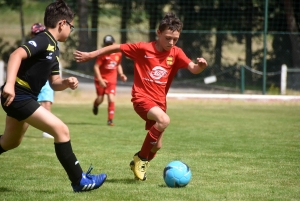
x=68 y=160
x=1 y=149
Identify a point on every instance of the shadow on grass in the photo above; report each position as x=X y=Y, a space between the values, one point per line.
x=4 y=189
x=131 y=181
x=80 y=123
x=125 y=181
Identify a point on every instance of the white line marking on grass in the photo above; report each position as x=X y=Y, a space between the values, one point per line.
x=234 y=96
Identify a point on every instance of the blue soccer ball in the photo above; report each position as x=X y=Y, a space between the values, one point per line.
x=177 y=174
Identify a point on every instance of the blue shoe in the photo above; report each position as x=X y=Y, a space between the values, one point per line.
x=89 y=182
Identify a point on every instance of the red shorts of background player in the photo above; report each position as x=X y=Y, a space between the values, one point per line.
x=110 y=89
x=142 y=107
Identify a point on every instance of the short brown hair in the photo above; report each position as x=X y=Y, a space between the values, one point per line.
x=56 y=11
x=170 y=22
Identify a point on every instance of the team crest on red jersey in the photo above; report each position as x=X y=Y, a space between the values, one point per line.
x=170 y=60
x=117 y=58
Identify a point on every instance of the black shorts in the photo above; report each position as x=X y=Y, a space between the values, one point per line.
x=20 y=110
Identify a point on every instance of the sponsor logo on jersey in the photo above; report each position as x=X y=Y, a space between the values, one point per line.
x=50 y=48
x=158 y=72
x=170 y=60
x=149 y=57
x=49 y=56
x=111 y=65
x=31 y=42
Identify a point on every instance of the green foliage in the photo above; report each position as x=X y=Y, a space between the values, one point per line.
x=3 y=48
x=14 y=4
x=273 y=90
x=236 y=151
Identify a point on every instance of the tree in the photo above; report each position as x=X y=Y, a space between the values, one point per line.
x=292 y=27
x=18 y=6
x=83 y=34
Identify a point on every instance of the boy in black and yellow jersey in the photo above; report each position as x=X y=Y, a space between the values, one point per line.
x=28 y=69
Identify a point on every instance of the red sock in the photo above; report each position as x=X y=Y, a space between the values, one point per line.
x=149 y=142
x=111 y=110
x=151 y=155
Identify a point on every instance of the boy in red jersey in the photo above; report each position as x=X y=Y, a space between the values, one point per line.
x=156 y=64
x=106 y=68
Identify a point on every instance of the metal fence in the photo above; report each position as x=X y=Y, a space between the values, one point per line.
x=256 y=36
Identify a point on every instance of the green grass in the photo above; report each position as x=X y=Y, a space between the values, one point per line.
x=236 y=151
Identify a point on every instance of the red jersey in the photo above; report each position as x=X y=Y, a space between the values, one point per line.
x=108 y=65
x=154 y=70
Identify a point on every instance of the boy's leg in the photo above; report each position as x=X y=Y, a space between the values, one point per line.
x=154 y=133
x=110 y=109
x=148 y=110
x=13 y=134
x=155 y=148
x=45 y=120
x=100 y=96
x=97 y=102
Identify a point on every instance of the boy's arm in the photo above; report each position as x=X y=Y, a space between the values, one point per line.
x=13 y=66
x=59 y=84
x=199 y=67
x=97 y=72
x=120 y=72
x=86 y=56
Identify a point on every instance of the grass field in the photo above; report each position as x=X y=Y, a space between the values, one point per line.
x=236 y=151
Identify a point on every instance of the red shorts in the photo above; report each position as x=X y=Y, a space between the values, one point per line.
x=109 y=89
x=142 y=107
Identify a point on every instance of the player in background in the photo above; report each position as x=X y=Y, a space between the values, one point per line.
x=46 y=96
x=106 y=69
x=28 y=69
x=155 y=65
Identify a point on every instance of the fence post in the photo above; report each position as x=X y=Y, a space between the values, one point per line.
x=283 y=79
x=242 y=79
x=2 y=73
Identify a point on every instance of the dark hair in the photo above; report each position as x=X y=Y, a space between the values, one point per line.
x=56 y=11
x=170 y=22
x=108 y=40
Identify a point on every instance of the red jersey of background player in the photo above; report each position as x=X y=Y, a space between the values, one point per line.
x=154 y=70
x=108 y=67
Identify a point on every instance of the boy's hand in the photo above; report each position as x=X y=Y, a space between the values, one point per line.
x=82 y=56
x=71 y=82
x=8 y=93
x=103 y=83
x=202 y=63
x=123 y=77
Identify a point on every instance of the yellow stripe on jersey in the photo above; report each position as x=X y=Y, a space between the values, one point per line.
x=51 y=39
x=27 y=49
x=57 y=58
x=22 y=83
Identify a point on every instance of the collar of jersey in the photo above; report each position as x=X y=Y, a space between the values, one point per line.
x=51 y=37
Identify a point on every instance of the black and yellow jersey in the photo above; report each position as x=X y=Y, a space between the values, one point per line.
x=42 y=62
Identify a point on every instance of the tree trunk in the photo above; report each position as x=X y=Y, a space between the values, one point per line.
x=126 y=14
x=84 y=42
x=22 y=23
x=292 y=27
x=218 y=50
x=94 y=30
x=249 y=18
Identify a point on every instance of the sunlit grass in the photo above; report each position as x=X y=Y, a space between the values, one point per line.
x=236 y=151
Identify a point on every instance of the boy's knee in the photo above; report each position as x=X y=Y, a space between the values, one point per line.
x=165 y=121
x=65 y=130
